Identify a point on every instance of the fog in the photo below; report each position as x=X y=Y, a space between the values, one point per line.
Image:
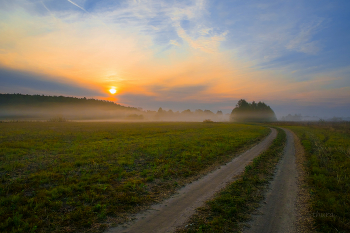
x=301 y=118
x=60 y=108
x=83 y=113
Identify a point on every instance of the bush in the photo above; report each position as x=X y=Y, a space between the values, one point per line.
x=208 y=121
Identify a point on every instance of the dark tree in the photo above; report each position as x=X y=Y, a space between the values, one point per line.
x=208 y=112
x=198 y=111
x=186 y=112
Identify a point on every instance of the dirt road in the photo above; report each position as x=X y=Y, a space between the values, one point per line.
x=278 y=213
x=165 y=217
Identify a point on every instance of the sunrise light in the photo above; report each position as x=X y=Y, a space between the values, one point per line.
x=112 y=91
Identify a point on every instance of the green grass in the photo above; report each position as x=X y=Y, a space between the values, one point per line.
x=234 y=204
x=327 y=147
x=70 y=177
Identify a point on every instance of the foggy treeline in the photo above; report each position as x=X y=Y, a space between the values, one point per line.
x=253 y=112
x=289 y=117
x=19 y=106
x=299 y=117
x=41 y=107
x=186 y=115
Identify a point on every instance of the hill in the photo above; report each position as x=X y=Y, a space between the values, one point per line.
x=41 y=106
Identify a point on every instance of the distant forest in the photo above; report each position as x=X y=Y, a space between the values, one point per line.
x=19 y=106
x=15 y=100
x=41 y=107
x=252 y=112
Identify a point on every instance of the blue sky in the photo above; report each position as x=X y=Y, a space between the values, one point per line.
x=294 y=55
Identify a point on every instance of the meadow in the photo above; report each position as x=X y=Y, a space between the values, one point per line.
x=73 y=176
x=327 y=148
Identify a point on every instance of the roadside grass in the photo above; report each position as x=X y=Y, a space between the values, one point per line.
x=74 y=177
x=327 y=148
x=233 y=205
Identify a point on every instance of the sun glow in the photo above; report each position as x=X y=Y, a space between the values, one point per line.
x=112 y=91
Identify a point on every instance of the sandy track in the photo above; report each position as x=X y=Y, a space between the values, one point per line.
x=279 y=213
x=174 y=212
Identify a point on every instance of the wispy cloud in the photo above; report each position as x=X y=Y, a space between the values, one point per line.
x=274 y=31
x=205 y=43
x=302 y=41
x=174 y=42
x=46 y=8
x=77 y=5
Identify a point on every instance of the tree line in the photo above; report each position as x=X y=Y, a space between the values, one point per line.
x=14 y=105
x=14 y=100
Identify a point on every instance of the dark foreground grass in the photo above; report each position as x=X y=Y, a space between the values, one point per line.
x=234 y=204
x=327 y=148
x=81 y=177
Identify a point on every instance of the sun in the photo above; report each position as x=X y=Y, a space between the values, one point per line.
x=112 y=90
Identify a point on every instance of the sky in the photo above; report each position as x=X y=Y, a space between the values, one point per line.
x=293 y=54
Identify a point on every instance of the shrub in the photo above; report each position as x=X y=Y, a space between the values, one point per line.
x=208 y=121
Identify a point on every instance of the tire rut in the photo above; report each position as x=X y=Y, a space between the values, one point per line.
x=279 y=211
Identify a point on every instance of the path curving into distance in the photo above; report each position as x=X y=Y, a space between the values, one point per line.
x=173 y=212
x=279 y=212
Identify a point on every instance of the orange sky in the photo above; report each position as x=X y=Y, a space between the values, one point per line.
x=100 y=49
x=101 y=57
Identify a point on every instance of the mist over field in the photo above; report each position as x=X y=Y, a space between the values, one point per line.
x=80 y=113
x=60 y=108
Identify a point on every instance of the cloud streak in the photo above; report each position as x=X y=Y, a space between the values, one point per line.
x=77 y=5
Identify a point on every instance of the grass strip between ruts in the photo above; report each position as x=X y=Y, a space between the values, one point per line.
x=234 y=204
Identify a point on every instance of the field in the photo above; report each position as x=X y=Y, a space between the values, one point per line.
x=68 y=176
x=327 y=148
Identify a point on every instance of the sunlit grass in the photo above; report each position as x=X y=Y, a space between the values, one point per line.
x=66 y=176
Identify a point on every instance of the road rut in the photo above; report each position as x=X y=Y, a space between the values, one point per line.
x=174 y=212
x=279 y=212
